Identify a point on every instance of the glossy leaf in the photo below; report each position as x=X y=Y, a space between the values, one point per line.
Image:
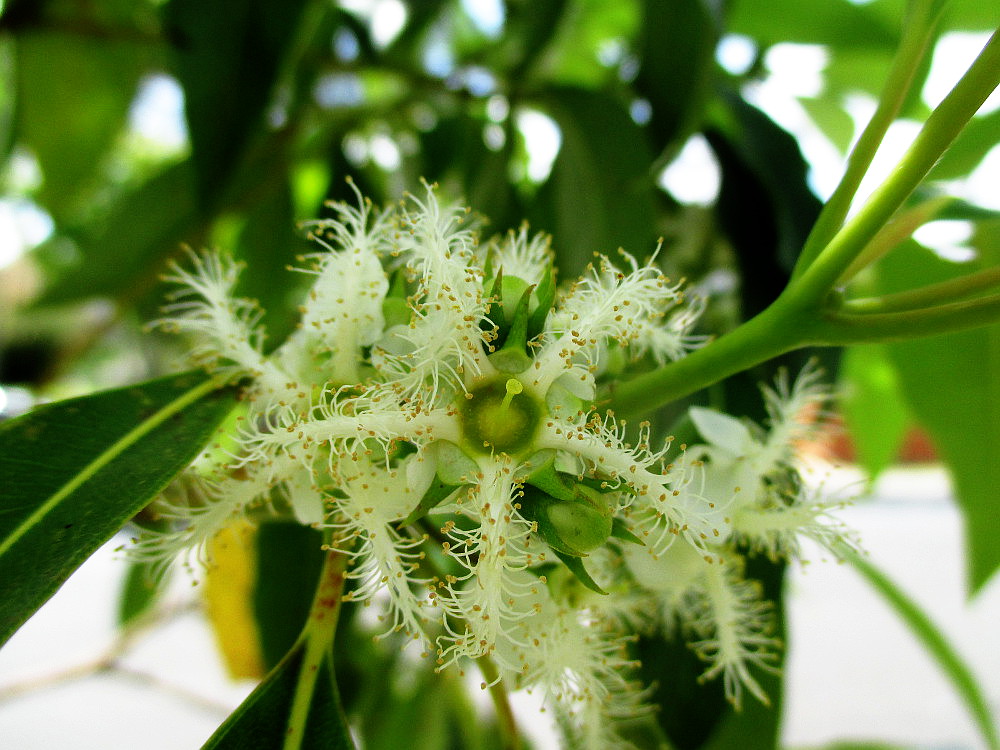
x=289 y=558
x=261 y=721
x=73 y=472
x=952 y=384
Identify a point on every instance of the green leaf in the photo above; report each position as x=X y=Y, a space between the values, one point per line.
x=838 y=23
x=835 y=122
x=873 y=406
x=268 y=243
x=228 y=54
x=968 y=150
x=73 y=95
x=677 y=43
x=73 y=472
x=599 y=195
x=289 y=559
x=573 y=54
x=261 y=721
x=123 y=250
x=576 y=567
x=140 y=590
x=952 y=384
x=297 y=706
x=935 y=643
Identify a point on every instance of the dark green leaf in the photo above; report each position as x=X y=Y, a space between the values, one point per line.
x=289 y=559
x=228 y=54
x=73 y=472
x=952 y=384
x=269 y=243
x=677 y=45
x=599 y=195
x=123 y=250
x=529 y=29
x=261 y=720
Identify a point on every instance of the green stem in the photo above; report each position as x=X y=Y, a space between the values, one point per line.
x=941 y=128
x=505 y=715
x=319 y=632
x=926 y=296
x=917 y=35
x=933 y=640
x=773 y=332
x=839 y=328
x=898 y=230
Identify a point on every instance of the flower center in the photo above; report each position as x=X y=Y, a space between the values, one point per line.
x=499 y=416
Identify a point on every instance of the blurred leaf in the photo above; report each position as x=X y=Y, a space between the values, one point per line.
x=838 y=23
x=952 y=384
x=73 y=95
x=8 y=98
x=765 y=204
x=228 y=54
x=269 y=242
x=141 y=588
x=972 y=15
x=123 y=249
x=454 y=150
x=585 y=33
x=873 y=406
x=935 y=643
x=226 y=594
x=677 y=47
x=980 y=136
x=75 y=471
x=832 y=119
x=261 y=721
x=528 y=30
x=850 y=71
x=289 y=559
x=599 y=195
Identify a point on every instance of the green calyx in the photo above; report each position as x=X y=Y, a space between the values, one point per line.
x=574 y=517
x=499 y=417
x=519 y=311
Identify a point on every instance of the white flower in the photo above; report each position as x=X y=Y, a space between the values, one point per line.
x=432 y=395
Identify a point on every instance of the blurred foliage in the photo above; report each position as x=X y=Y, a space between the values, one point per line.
x=284 y=100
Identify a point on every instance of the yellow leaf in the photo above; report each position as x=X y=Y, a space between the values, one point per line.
x=229 y=584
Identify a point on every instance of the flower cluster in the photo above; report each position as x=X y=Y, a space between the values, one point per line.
x=439 y=392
